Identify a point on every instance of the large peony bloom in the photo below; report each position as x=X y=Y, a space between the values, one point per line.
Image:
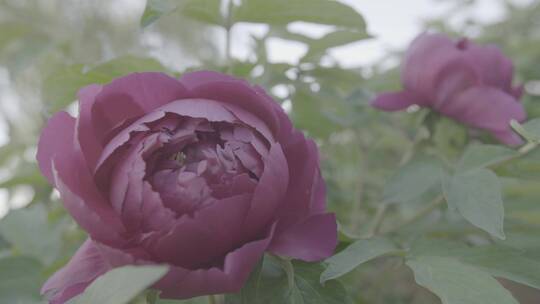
x=467 y=82
x=203 y=174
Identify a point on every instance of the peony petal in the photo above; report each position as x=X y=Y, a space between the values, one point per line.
x=494 y=68
x=181 y=283
x=425 y=57
x=83 y=201
x=88 y=141
x=395 y=101
x=453 y=78
x=130 y=97
x=56 y=138
x=270 y=191
x=211 y=233
x=509 y=138
x=85 y=266
x=233 y=91
x=311 y=240
x=486 y=108
x=303 y=163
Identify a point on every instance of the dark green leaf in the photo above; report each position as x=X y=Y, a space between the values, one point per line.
x=356 y=254
x=120 y=285
x=271 y=286
x=476 y=194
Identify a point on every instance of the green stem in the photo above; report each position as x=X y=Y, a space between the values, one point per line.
x=212 y=299
x=377 y=220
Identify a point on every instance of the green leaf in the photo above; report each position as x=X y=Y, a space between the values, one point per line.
x=30 y=233
x=60 y=87
x=207 y=11
x=476 y=194
x=157 y=8
x=120 y=285
x=530 y=130
x=318 y=47
x=281 y=12
x=199 y=300
x=269 y=285
x=308 y=113
x=413 y=180
x=356 y=254
x=481 y=156
x=496 y=259
x=457 y=283
x=250 y=291
x=20 y=280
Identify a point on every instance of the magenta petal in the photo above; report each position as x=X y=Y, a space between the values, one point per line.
x=395 y=101
x=302 y=195
x=425 y=57
x=56 y=138
x=85 y=266
x=311 y=240
x=453 y=78
x=233 y=91
x=211 y=233
x=495 y=68
x=508 y=137
x=83 y=201
x=129 y=97
x=90 y=145
x=270 y=191
x=486 y=108
x=181 y=283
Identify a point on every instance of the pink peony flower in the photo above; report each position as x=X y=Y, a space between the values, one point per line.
x=203 y=174
x=464 y=81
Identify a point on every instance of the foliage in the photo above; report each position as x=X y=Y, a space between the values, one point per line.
x=421 y=200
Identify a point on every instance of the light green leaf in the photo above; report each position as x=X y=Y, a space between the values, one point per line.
x=60 y=87
x=120 y=285
x=457 y=283
x=413 y=180
x=30 y=233
x=530 y=130
x=20 y=280
x=207 y=11
x=476 y=194
x=482 y=156
x=356 y=254
x=281 y=12
x=157 y=8
x=497 y=259
x=318 y=47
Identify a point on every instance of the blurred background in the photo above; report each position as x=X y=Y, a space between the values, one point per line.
x=323 y=75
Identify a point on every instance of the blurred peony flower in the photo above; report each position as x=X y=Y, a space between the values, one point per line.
x=462 y=80
x=203 y=174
